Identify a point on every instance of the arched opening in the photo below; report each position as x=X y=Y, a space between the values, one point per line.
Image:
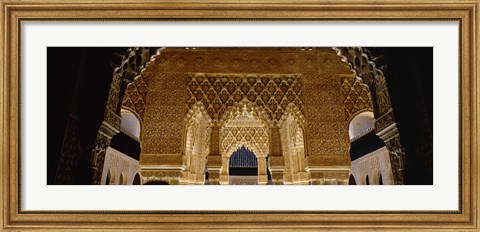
x=361 y=124
x=351 y=180
x=367 y=182
x=110 y=179
x=136 y=180
x=130 y=125
x=380 y=180
x=243 y=167
x=123 y=179
x=244 y=126
x=128 y=141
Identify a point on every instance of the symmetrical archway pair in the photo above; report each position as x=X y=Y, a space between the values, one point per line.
x=243 y=124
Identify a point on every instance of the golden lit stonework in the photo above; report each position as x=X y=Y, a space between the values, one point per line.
x=286 y=105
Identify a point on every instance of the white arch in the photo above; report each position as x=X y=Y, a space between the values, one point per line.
x=130 y=124
x=361 y=124
x=123 y=179
x=110 y=176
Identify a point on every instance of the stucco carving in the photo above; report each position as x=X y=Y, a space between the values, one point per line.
x=373 y=165
x=266 y=79
x=270 y=92
x=362 y=66
x=357 y=97
x=121 y=163
x=244 y=127
x=135 y=97
x=197 y=145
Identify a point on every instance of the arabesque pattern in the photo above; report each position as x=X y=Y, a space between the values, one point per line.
x=254 y=138
x=135 y=97
x=357 y=97
x=218 y=92
x=244 y=125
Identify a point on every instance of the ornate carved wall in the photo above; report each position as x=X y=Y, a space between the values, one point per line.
x=244 y=125
x=385 y=125
x=197 y=144
x=161 y=87
x=123 y=168
x=373 y=165
x=135 y=97
x=293 y=146
x=269 y=78
x=357 y=97
x=270 y=92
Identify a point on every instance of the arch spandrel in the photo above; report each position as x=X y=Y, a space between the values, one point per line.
x=356 y=95
x=295 y=112
x=131 y=123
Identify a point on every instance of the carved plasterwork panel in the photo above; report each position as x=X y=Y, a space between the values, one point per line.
x=134 y=61
x=327 y=138
x=254 y=138
x=244 y=60
x=373 y=165
x=244 y=127
x=362 y=66
x=357 y=97
x=293 y=148
x=219 y=91
x=135 y=97
x=197 y=147
x=164 y=119
x=120 y=163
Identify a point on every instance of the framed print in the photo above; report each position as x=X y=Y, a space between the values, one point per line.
x=296 y=115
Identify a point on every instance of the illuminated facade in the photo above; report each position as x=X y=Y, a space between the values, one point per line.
x=196 y=116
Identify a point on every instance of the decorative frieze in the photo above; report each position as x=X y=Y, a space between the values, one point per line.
x=218 y=92
x=374 y=165
x=120 y=164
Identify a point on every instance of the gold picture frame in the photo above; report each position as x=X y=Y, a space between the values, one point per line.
x=14 y=12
